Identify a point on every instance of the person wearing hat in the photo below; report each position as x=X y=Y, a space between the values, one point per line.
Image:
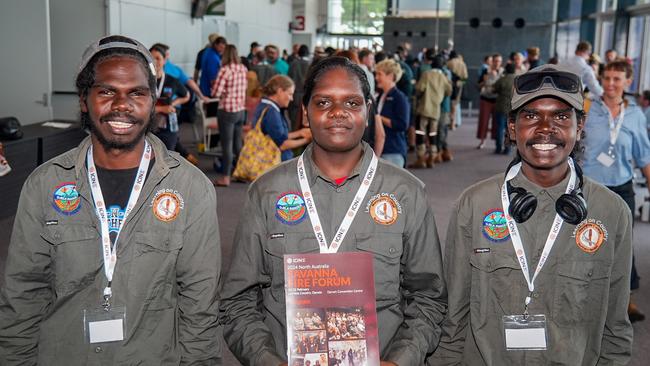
x=538 y=260
x=114 y=256
x=617 y=137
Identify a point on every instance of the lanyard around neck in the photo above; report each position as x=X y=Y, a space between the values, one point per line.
x=271 y=103
x=382 y=100
x=516 y=238
x=110 y=256
x=310 y=202
x=615 y=126
x=160 y=85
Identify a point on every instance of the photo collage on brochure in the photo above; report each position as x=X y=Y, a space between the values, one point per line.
x=328 y=336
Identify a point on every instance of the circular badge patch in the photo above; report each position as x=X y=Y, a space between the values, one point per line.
x=495 y=227
x=166 y=206
x=590 y=237
x=290 y=208
x=66 y=199
x=384 y=211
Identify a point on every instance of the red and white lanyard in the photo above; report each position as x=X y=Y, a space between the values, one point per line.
x=349 y=216
x=516 y=238
x=110 y=256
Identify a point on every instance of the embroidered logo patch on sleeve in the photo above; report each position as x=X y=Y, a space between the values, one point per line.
x=290 y=208
x=590 y=235
x=495 y=227
x=66 y=199
x=167 y=204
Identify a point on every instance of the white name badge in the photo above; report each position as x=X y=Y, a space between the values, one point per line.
x=524 y=333
x=605 y=159
x=101 y=325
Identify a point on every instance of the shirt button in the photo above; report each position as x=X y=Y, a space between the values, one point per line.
x=590 y=274
x=535 y=295
x=338 y=189
x=391 y=250
x=98 y=349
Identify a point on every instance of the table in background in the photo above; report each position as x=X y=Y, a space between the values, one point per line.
x=38 y=145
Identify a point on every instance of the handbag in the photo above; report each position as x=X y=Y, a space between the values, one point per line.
x=259 y=154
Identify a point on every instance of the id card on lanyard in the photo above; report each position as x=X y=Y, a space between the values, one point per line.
x=106 y=323
x=528 y=331
x=607 y=159
x=349 y=216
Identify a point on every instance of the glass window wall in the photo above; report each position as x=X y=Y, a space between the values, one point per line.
x=356 y=16
x=635 y=47
x=568 y=36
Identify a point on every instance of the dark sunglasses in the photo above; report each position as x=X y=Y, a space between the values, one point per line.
x=562 y=81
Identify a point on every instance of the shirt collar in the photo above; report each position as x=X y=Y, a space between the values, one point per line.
x=554 y=192
x=313 y=172
x=164 y=160
x=271 y=103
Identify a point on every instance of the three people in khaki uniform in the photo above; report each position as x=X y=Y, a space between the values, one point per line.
x=163 y=245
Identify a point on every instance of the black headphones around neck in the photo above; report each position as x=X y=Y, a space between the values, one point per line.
x=571 y=207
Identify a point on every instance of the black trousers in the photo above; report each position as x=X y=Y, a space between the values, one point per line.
x=626 y=192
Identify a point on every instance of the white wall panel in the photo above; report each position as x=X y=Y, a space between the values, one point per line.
x=183 y=35
x=178 y=5
x=144 y=23
x=70 y=34
x=256 y=20
x=169 y=22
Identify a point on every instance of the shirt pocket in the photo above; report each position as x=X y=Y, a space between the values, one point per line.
x=386 y=250
x=494 y=289
x=291 y=243
x=580 y=291
x=76 y=256
x=153 y=268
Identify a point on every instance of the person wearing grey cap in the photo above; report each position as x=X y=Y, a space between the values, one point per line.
x=114 y=256
x=538 y=261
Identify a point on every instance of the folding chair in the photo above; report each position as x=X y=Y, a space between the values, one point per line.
x=210 y=125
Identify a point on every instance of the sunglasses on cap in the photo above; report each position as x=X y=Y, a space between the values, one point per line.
x=560 y=80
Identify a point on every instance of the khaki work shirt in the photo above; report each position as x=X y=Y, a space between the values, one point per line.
x=166 y=275
x=410 y=289
x=432 y=87
x=583 y=289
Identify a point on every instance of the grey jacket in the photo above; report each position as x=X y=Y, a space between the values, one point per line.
x=167 y=273
x=410 y=289
x=583 y=289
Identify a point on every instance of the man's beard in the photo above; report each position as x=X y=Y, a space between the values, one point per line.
x=87 y=122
